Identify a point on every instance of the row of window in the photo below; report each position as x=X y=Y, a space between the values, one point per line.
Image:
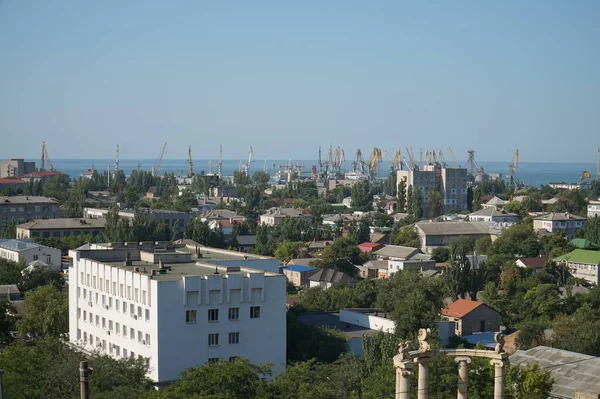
x=115 y=327
x=101 y=344
x=104 y=285
x=94 y=298
x=213 y=339
x=191 y=316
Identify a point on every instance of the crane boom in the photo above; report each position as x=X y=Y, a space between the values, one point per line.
x=190 y=163
x=117 y=161
x=411 y=158
x=374 y=161
x=453 y=157
x=46 y=164
x=250 y=160
x=156 y=167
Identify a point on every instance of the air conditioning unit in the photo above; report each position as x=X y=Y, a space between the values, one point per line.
x=106 y=307
x=107 y=332
x=133 y=316
x=143 y=342
x=91 y=303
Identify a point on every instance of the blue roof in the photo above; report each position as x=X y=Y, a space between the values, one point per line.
x=300 y=268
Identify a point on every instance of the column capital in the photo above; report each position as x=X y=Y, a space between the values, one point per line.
x=403 y=363
x=499 y=362
x=459 y=359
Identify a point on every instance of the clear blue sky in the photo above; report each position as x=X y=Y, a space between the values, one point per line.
x=288 y=76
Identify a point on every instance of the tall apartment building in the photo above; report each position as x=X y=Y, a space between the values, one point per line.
x=176 y=313
x=15 y=168
x=450 y=182
x=21 y=208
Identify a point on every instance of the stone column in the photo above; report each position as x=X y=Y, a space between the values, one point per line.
x=498 y=378
x=423 y=386
x=463 y=376
x=403 y=381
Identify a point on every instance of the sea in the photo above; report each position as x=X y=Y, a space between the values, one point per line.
x=531 y=173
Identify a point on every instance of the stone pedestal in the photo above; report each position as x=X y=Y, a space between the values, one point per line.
x=463 y=376
x=404 y=370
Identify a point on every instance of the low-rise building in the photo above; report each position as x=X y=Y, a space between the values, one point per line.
x=60 y=228
x=221 y=214
x=12 y=183
x=441 y=234
x=471 y=317
x=22 y=208
x=491 y=214
x=326 y=278
x=565 y=223
x=536 y=263
x=26 y=252
x=593 y=209
x=298 y=274
x=177 y=313
x=404 y=258
x=274 y=216
x=369 y=247
x=582 y=263
x=374 y=269
x=494 y=202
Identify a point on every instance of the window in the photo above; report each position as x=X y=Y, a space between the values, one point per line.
x=124 y=352
x=190 y=316
x=131 y=333
x=117 y=304
x=97 y=320
x=213 y=339
x=139 y=313
x=255 y=312
x=132 y=309
x=103 y=322
x=232 y=358
x=84 y=315
x=213 y=360
x=35 y=257
x=110 y=302
x=147 y=314
x=118 y=328
x=124 y=330
x=143 y=297
x=147 y=339
x=213 y=314
x=234 y=337
x=124 y=307
x=48 y=259
x=110 y=325
x=234 y=313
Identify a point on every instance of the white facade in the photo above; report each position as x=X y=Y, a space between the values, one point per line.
x=184 y=318
x=593 y=209
x=366 y=319
x=26 y=252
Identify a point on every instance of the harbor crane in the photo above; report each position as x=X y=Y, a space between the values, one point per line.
x=374 y=161
x=190 y=162
x=472 y=165
x=397 y=161
x=250 y=161
x=156 y=167
x=411 y=158
x=339 y=159
x=45 y=159
x=512 y=169
x=456 y=165
x=220 y=164
x=117 y=161
x=358 y=165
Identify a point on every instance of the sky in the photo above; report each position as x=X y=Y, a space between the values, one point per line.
x=286 y=77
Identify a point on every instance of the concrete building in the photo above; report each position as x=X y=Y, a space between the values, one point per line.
x=326 y=278
x=173 y=219
x=60 y=228
x=159 y=304
x=582 y=263
x=492 y=214
x=12 y=183
x=221 y=215
x=450 y=182
x=27 y=252
x=471 y=317
x=21 y=208
x=15 y=168
x=536 y=263
x=566 y=223
x=494 y=202
x=441 y=234
x=404 y=258
x=274 y=216
x=299 y=275
x=593 y=208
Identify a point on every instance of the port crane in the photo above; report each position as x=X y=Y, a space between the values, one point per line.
x=250 y=161
x=117 y=161
x=411 y=158
x=45 y=159
x=156 y=167
x=456 y=165
x=220 y=164
x=512 y=169
x=190 y=162
x=358 y=165
x=374 y=161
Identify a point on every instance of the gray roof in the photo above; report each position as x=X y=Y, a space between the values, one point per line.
x=331 y=276
x=246 y=240
x=496 y=201
x=17 y=245
x=220 y=214
x=396 y=251
x=454 y=228
x=23 y=199
x=559 y=217
x=64 y=224
x=376 y=264
x=570 y=370
x=492 y=212
x=9 y=289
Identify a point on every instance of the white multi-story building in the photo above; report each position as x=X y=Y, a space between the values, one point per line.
x=177 y=313
x=27 y=252
x=593 y=209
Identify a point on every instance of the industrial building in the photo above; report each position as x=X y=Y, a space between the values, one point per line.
x=176 y=312
x=21 y=208
x=15 y=168
x=60 y=228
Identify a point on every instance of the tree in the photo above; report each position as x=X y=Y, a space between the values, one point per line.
x=237 y=379
x=201 y=232
x=579 y=332
x=343 y=254
x=407 y=236
x=543 y=301
x=8 y=230
x=416 y=209
x=260 y=178
x=46 y=313
x=10 y=272
x=40 y=276
x=528 y=382
x=591 y=232
x=516 y=207
x=56 y=186
x=402 y=195
x=288 y=250
x=476 y=202
x=440 y=254
x=483 y=245
x=305 y=342
x=362 y=197
x=531 y=334
x=435 y=205
x=7 y=322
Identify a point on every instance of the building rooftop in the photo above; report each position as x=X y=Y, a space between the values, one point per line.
x=300 y=268
x=536 y=262
x=570 y=370
x=42 y=174
x=302 y=262
x=17 y=245
x=460 y=308
x=582 y=243
x=454 y=228
x=583 y=256
x=496 y=201
x=331 y=320
x=559 y=217
x=12 y=181
x=283 y=212
x=63 y=224
x=330 y=276
x=493 y=212
x=24 y=199
x=396 y=251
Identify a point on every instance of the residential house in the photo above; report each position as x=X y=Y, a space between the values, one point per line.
x=495 y=215
x=374 y=269
x=575 y=375
x=298 y=274
x=471 y=317
x=41 y=176
x=535 y=263
x=582 y=263
x=26 y=252
x=369 y=247
x=441 y=234
x=404 y=258
x=246 y=242
x=60 y=228
x=494 y=202
x=15 y=168
x=274 y=216
x=221 y=214
x=593 y=208
x=12 y=183
x=326 y=278
x=317 y=247
x=10 y=292
x=566 y=223
x=22 y=208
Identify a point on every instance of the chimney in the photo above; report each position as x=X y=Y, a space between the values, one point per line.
x=128 y=259
x=154 y=272
x=136 y=269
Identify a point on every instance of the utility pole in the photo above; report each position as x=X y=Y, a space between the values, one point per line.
x=84 y=375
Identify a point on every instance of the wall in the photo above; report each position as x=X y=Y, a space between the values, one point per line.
x=471 y=322
x=166 y=257
x=367 y=320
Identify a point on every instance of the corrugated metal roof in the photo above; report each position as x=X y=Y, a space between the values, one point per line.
x=582 y=256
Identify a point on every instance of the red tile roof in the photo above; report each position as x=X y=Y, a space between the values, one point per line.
x=537 y=262
x=460 y=308
x=12 y=181
x=369 y=246
x=41 y=174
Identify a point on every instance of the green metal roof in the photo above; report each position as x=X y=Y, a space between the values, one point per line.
x=582 y=256
x=582 y=243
